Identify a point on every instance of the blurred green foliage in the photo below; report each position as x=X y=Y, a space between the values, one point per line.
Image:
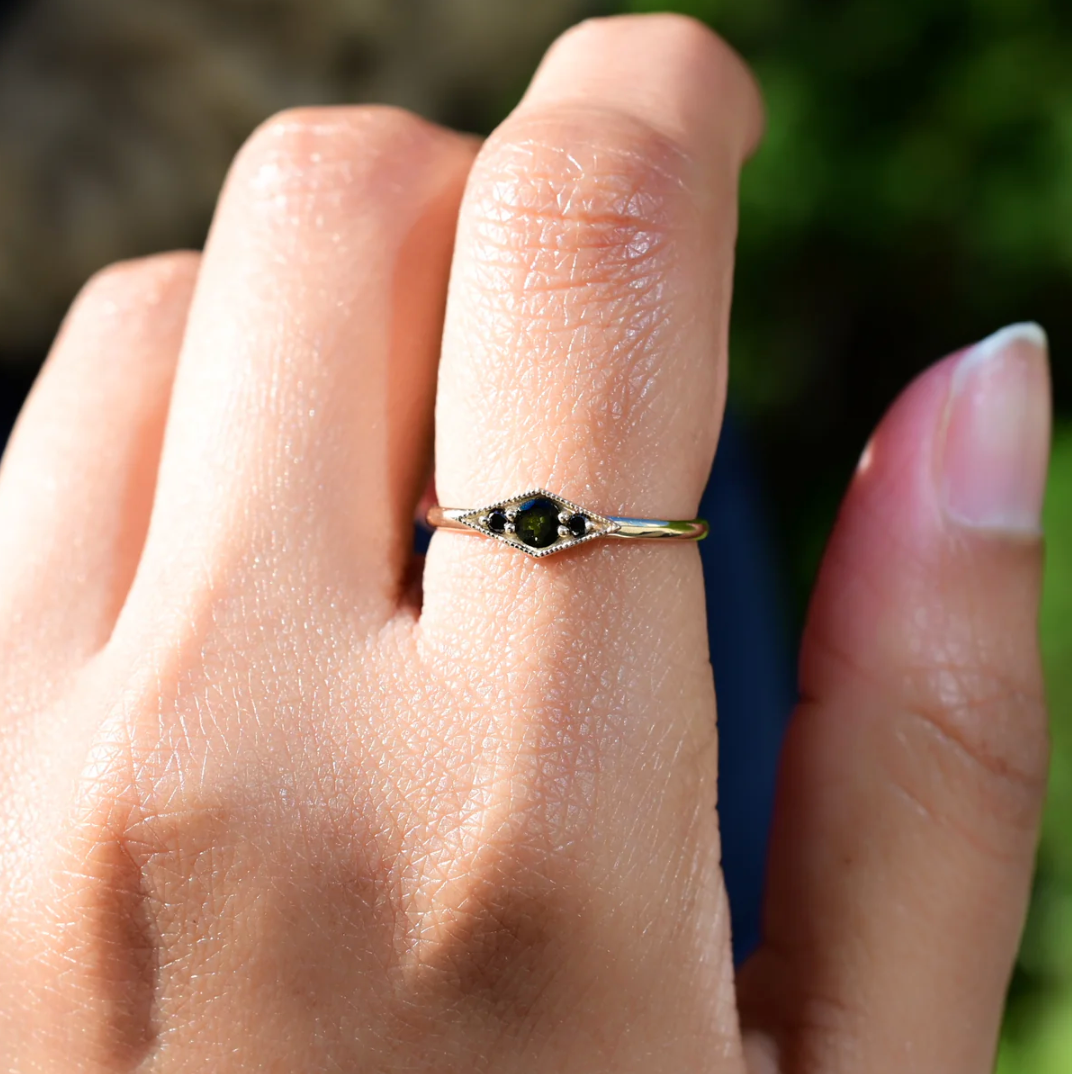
x=1038 y=1031
x=1039 y=1026
x=913 y=193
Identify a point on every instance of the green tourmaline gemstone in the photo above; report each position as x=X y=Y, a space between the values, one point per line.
x=537 y=523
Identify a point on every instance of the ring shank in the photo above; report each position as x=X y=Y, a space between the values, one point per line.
x=694 y=529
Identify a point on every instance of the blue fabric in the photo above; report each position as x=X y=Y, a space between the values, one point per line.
x=755 y=677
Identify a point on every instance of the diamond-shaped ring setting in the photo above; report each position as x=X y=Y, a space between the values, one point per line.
x=538 y=522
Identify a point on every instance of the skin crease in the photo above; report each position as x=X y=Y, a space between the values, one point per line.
x=266 y=807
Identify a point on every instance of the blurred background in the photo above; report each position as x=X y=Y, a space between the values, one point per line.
x=914 y=193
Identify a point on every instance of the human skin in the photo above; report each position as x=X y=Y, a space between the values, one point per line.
x=277 y=798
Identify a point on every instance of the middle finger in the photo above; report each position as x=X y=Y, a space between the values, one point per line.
x=299 y=429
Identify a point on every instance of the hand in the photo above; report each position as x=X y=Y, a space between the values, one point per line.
x=267 y=807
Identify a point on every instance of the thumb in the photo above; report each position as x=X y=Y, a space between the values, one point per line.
x=914 y=770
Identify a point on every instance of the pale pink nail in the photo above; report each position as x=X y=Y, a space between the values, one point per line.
x=997 y=433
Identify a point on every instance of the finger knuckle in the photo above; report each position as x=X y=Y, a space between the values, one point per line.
x=773 y=1006
x=576 y=210
x=576 y=230
x=689 y=39
x=687 y=35
x=694 y=33
x=491 y=940
x=95 y=950
x=140 y=872
x=330 y=151
x=141 y=280
x=704 y=48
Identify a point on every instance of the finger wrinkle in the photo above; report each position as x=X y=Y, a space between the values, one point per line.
x=571 y=190
x=984 y=717
x=956 y=741
x=571 y=273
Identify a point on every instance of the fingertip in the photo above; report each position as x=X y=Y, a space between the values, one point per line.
x=963 y=453
x=669 y=71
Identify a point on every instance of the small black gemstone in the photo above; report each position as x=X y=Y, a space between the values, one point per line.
x=537 y=523
x=578 y=525
x=497 y=522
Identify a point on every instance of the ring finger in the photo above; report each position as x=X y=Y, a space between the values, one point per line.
x=584 y=348
x=585 y=353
